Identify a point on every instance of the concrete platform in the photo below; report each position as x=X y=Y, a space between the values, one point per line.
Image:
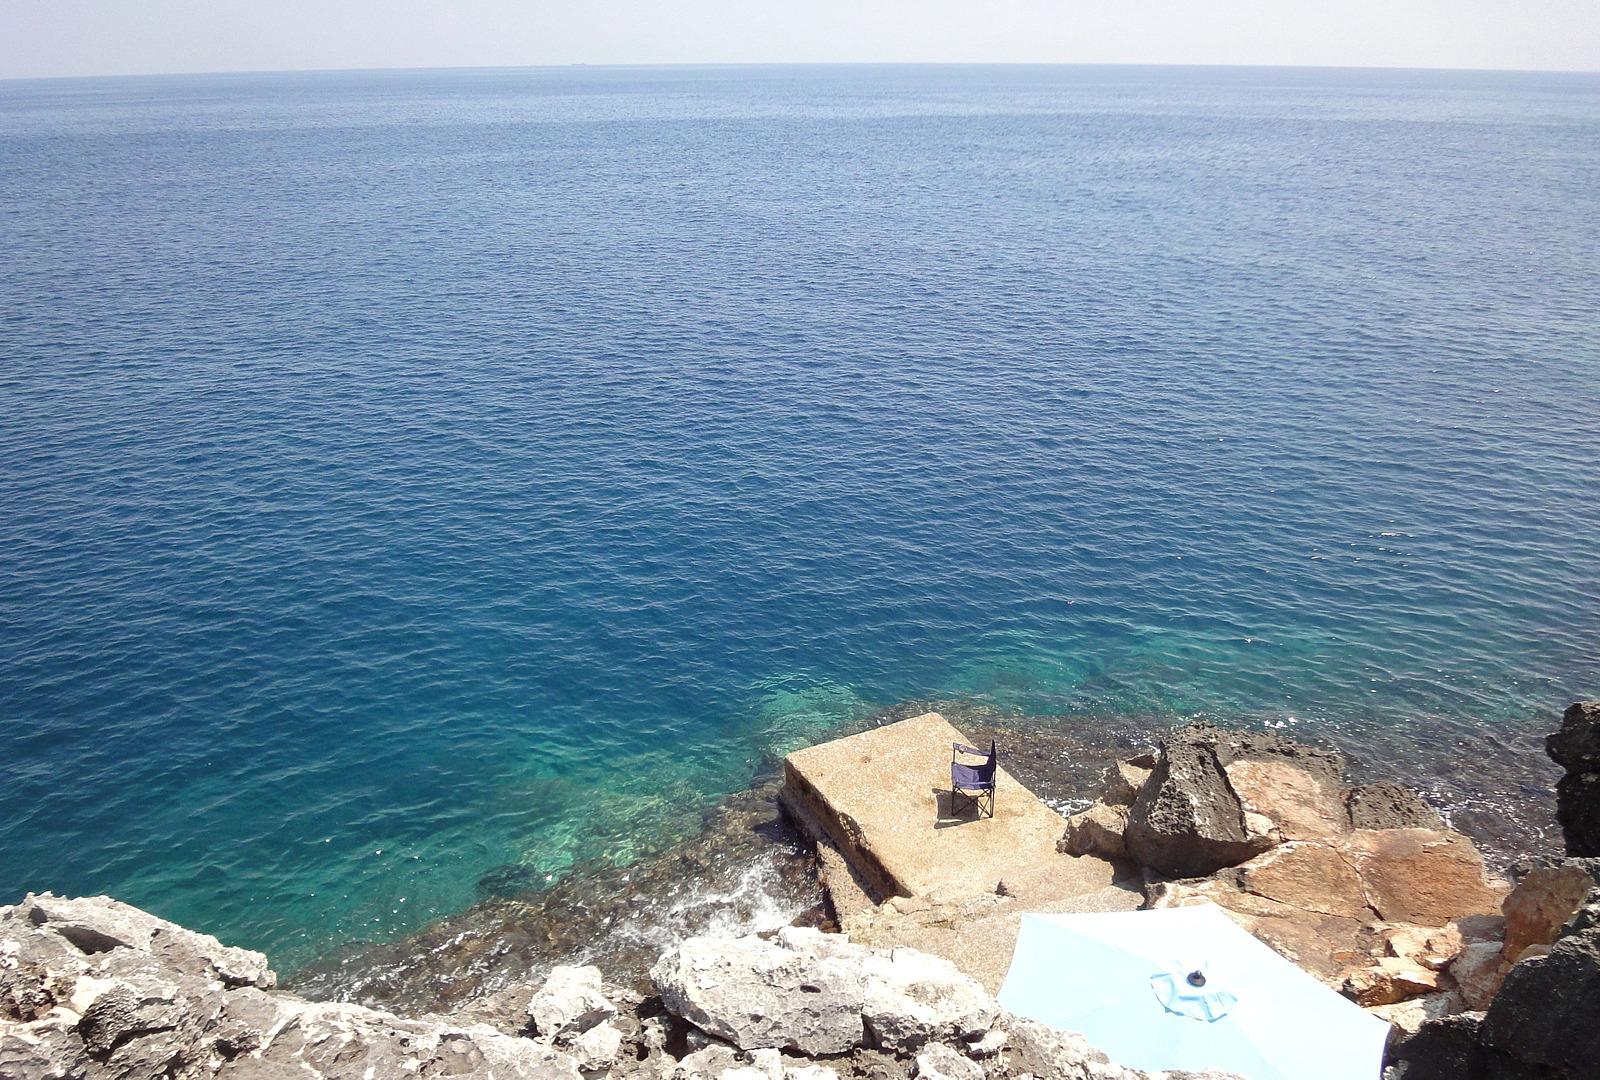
x=882 y=798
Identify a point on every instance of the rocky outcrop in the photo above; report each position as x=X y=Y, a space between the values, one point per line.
x=1363 y=886
x=1096 y=831
x=820 y=994
x=1422 y=876
x=1539 y=1025
x=569 y=1003
x=793 y=993
x=1217 y=798
x=94 y=990
x=1544 y=1015
x=1576 y=748
x=1187 y=821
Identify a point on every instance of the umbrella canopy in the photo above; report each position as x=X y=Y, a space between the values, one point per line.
x=1188 y=988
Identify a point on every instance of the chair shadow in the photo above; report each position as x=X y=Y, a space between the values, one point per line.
x=948 y=817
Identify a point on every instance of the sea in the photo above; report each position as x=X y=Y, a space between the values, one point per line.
x=418 y=487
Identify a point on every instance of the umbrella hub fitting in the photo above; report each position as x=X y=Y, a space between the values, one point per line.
x=1196 y=978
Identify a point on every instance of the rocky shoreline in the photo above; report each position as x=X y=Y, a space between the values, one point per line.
x=750 y=869
x=1362 y=884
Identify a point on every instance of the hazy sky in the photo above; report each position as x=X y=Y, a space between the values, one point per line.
x=78 y=37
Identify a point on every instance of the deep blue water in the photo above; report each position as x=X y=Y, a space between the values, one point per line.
x=407 y=475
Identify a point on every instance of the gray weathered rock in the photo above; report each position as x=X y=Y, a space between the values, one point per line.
x=97 y=924
x=1042 y=1051
x=793 y=993
x=810 y=1072
x=1478 y=970
x=569 y=1003
x=708 y=1061
x=1576 y=748
x=595 y=1050
x=939 y=1062
x=1389 y=806
x=95 y=990
x=910 y=999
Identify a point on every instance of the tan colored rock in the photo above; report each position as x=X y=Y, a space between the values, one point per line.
x=882 y=797
x=1326 y=946
x=1300 y=806
x=1478 y=971
x=1392 y=979
x=846 y=891
x=1432 y=948
x=1096 y=831
x=1421 y=876
x=1120 y=783
x=1310 y=876
x=1543 y=901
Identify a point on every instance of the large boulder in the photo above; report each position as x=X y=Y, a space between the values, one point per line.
x=911 y=999
x=1576 y=748
x=800 y=992
x=1096 y=831
x=1218 y=797
x=816 y=993
x=1187 y=820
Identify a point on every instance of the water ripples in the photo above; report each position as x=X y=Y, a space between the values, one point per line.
x=417 y=481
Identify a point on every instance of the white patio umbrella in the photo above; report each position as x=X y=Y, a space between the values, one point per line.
x=1188 y=988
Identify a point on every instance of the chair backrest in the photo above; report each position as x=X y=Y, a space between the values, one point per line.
x=964 y=775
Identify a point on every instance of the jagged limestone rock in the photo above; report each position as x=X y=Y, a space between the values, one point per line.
x=756 y=993
x=911 y=999
x=569 y=1003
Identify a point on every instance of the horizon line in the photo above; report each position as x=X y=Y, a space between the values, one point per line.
x=664 y=64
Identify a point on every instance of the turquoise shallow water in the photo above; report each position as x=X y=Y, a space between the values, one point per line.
x=417 y=482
